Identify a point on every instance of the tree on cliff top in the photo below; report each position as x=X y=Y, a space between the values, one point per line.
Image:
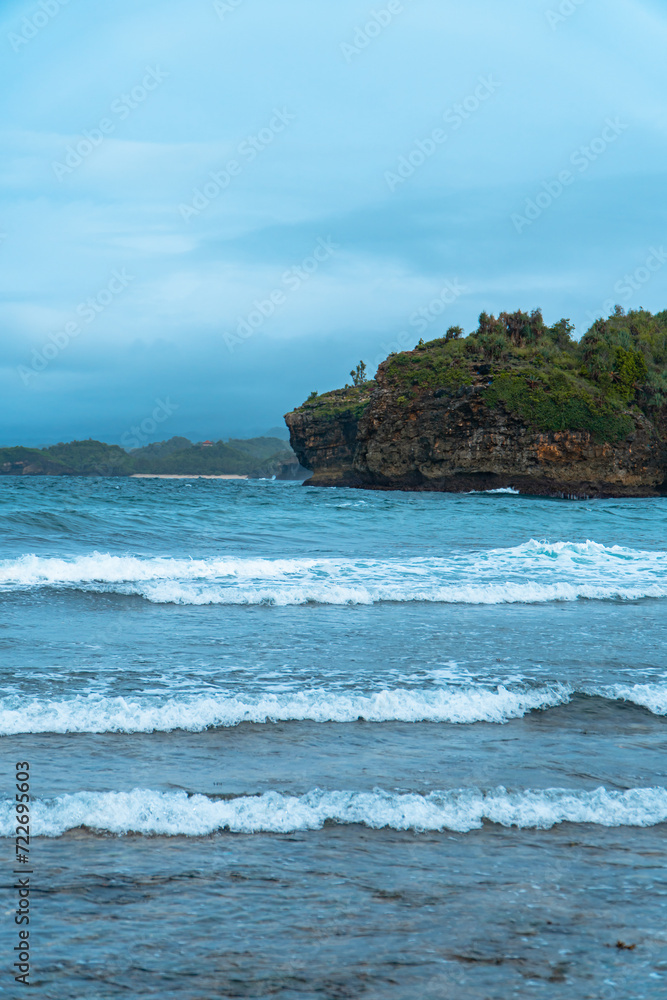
x=359 y=374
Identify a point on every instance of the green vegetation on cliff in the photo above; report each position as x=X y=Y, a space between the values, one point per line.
x=340 y=403
x=543 y=376
x=516 y=403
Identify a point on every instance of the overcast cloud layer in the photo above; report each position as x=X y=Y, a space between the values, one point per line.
x=224 y=205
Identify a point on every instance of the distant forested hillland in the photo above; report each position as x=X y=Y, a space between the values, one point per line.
x=257 y=458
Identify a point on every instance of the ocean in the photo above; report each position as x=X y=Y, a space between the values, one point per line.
x=326 y=743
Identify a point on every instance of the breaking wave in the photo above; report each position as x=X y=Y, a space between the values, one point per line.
x=533 y=572
x=179 y=814
x=99 y=714
x=501 y=489
x=456 y=705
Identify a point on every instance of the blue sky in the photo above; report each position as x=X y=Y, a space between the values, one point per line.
x=224 y=205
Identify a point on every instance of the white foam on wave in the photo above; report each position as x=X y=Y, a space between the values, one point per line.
x=457 y=705
x=100 y=714
x=147 y=812
x=501 y=489
x=533 y=572
x=650 y=696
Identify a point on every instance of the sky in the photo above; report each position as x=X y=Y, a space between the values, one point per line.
x=211 y=208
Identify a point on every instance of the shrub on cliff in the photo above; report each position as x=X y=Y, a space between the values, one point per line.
x=359 y=374
x=535 y=371
x=541 y=374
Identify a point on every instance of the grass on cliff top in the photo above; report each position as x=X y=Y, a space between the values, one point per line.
x=534 y=371
x=350 y=401
x=540 y=374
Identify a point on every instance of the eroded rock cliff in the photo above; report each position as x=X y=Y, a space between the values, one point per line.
x=516 y=404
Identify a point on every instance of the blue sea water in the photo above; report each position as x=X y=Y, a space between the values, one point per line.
x=327 y=743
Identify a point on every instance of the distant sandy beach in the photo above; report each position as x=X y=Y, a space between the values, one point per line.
x=153 y=475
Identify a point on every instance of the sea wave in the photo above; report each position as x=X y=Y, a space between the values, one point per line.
x=501 y=489
x=650 y=696
x=534 y=572
x=99 y=714
x=95 y=713
x=176 y=813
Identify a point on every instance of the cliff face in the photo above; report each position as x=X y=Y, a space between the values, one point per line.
x=438 y=418
x=462 y=444
x=325 y=437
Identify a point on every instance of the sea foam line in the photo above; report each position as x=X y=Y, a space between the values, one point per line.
x=108 y=714
x=171 y=814
x=100 y=714
x=533 y=572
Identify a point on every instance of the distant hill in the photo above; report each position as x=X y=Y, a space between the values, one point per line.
x=256 y=458
x=160 y=449
x=91 y=458
x=29 y=462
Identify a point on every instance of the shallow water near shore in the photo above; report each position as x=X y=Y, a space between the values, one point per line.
x=293 y=742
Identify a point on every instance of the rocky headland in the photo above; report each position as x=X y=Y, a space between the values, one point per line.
x=515 y=404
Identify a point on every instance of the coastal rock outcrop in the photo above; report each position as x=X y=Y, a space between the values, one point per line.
x=327 y=436
x=515 y=405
